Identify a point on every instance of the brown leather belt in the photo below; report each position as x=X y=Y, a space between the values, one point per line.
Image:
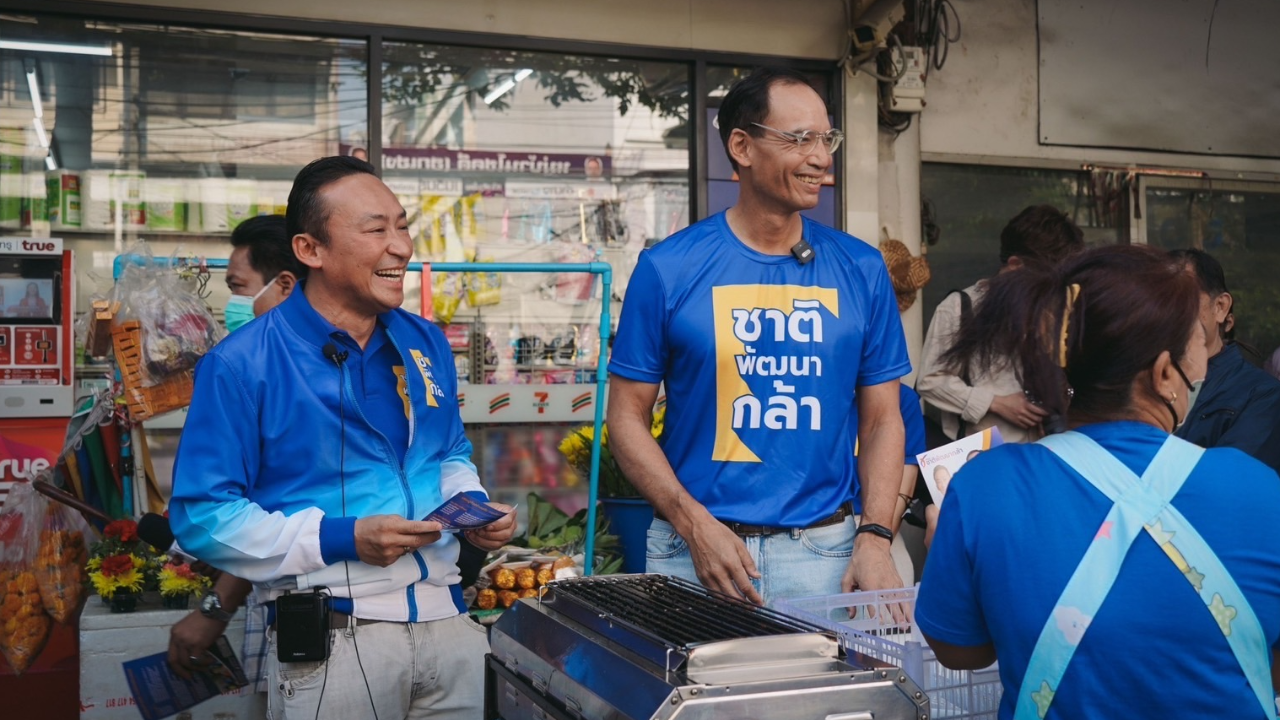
x=744 y=530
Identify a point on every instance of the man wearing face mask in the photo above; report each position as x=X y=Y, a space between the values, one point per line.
x=1239 y=404
x=262 y=269
x=261 y=272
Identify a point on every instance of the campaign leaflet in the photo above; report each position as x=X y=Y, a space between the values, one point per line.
x=160 y=693
x=941 y=463
x=464 y=512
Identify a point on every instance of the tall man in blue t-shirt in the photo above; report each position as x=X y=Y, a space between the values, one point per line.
x=765 y=327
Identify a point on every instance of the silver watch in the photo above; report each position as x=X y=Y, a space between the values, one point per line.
x=211 y=607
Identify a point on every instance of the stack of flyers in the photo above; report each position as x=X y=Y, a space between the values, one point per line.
x=941 y=463
x=464 y=512
x=160 y=693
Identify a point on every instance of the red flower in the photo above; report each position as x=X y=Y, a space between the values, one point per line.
x=125 y=531
x=116 y=565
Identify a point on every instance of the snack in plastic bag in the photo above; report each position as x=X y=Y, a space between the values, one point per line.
x=177 y=326
x=447 y=296
x=484 y=288
x=24 y=624
x=60 y=562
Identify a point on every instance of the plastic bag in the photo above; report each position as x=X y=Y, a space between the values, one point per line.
x=177 y=327
x=60 y=562
x=24 y=624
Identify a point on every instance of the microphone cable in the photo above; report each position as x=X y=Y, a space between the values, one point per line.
x=338 y=358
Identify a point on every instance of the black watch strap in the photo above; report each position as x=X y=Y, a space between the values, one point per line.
x=874 y=529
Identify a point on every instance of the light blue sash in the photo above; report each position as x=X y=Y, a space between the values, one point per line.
x=1140 y=504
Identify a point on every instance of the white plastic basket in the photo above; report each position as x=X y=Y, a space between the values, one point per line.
x=866 y=625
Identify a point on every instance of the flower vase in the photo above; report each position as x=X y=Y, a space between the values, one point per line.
x=176 y=602
x=124 y=602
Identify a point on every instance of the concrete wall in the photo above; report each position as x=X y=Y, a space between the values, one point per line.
x=983 y=106
x=796 y=28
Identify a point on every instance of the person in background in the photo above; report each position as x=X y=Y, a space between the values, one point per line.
x=967 y=400
x=1106 y=568
x=767 y=329
x=1273 y=364
x=1239 y=405
x=262 y=270
x=326 y=429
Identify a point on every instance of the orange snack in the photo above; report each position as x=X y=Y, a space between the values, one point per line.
x=504 y=578
x=529 y=593
x=526 y=578
x=508 y=598
x=545 y=575
x=487 y=599
x=24 y=625
x=60 y=571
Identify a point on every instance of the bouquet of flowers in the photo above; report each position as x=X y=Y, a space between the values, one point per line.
x=613 y=483
x=178 y=579
x=119 y=573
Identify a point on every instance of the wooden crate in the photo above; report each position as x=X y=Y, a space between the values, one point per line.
x=146 y=402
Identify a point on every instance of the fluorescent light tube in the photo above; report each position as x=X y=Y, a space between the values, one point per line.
x=507 y=85
x=50 y=163
x=102 y=50
x=34 y=86
x=40 y=134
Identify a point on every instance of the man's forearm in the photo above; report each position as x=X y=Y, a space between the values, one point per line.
x=232 y=591
x=645 y=465
x=880 y=469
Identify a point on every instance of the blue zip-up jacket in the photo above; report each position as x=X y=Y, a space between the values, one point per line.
x=1239 y=407
x=257 y=486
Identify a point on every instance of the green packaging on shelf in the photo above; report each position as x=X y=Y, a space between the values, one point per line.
x=35 y=208
x=166 y=204
x=11 y=190
x=242 y=201
x=62 y=189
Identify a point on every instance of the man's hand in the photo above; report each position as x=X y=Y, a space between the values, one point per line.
x=383 y=539
x=1015 y=408
x=497 y=533
x=871 y=567
x=189 y=641
x=721 y=560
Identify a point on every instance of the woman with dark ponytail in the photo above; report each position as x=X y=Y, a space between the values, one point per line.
x=1104 y=566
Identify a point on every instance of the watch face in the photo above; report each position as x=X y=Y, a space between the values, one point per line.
x=210 y=604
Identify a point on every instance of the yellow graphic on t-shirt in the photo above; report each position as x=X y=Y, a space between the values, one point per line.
x=402 y=387
x=785 y=319
x=424 y=366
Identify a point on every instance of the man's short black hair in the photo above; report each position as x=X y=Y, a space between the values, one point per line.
x=748 y=102
x=1209 y=273
x=306 y=212
x=1040 y=233
x=270 y=246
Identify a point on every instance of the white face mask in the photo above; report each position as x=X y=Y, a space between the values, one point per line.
x=1193 y=392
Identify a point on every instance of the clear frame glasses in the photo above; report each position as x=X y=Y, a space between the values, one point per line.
x=807 y=141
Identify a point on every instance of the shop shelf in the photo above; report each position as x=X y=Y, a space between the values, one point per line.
x=865 y=624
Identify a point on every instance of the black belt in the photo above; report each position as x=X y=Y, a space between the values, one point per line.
x=845 y=510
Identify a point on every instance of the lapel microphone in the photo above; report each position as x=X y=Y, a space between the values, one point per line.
x=331 y=352
x=803 y=252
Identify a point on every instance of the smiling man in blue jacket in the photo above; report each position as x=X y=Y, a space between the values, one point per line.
x=318 y=437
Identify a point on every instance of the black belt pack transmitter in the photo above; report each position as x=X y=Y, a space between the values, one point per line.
x=302 y=627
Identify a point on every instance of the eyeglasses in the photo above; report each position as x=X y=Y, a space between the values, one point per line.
x=807 y=141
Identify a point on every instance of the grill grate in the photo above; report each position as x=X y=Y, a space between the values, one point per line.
x=678 y=612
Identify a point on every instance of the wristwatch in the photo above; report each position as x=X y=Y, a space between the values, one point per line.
x=877 y=530
x=211 y=607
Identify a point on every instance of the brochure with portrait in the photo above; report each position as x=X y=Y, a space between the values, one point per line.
x=940 y=464
x=463 y=512
x=159 y=693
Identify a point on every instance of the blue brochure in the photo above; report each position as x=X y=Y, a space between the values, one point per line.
x=464 y=512
x=160 y=693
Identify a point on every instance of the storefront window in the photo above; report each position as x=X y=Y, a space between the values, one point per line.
x=966 y=206
x=1240 y=227
x=112 y=131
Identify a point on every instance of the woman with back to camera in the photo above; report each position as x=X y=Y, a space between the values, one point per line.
x=1106 y=567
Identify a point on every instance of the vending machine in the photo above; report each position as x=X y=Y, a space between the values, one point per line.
x=36 y=316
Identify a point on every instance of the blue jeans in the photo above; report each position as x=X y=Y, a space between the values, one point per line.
x=799 y=563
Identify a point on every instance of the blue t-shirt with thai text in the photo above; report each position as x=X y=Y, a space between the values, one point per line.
x=761 y=357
